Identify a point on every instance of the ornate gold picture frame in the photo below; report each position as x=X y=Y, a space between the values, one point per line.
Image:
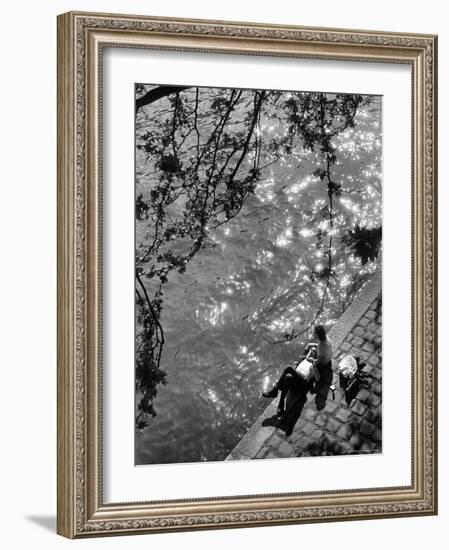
x=82 y=39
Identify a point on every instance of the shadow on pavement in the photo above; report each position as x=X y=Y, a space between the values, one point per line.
x=46 y=522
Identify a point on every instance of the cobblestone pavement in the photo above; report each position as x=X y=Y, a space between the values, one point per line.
x=338 y=428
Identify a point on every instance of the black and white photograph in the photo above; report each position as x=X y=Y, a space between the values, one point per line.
x=258 y=269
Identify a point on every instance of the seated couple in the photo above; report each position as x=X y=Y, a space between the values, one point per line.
x=312 y=373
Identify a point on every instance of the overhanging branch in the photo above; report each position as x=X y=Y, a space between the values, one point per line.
x=158 y=93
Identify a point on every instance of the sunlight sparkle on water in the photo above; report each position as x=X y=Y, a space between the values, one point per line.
x=281 y=324
x=345 y=280
x=212 y=396
x=264 y=190
x=240 y=284
x=212 y=314
x=264 y=257
x=306 y=232
x=285 y=238
x=323 y=225
x=349 y=204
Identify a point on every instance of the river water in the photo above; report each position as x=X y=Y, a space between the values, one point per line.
x=256 y=281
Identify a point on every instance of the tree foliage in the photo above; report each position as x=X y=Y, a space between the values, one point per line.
x=365 y=242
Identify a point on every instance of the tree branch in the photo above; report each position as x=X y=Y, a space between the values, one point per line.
x=158 y=93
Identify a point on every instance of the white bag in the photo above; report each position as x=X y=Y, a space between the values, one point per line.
x=347 y=367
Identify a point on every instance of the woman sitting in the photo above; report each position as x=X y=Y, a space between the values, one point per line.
x=295 y=383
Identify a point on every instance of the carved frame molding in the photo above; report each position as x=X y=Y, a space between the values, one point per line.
x=81 y=37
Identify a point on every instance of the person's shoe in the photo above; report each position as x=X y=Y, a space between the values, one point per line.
x=271 y=393
x=288 y=432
